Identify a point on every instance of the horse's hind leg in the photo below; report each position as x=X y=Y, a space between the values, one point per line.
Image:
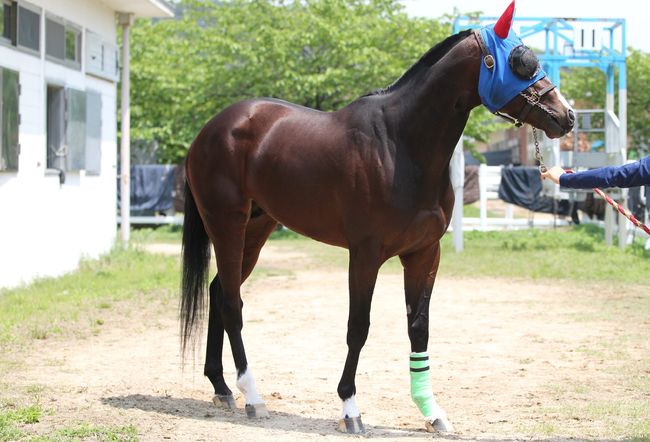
x=258 y=228
x=420 y=270
x=213 y=353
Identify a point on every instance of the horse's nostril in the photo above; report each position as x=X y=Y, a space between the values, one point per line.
x=571 y=117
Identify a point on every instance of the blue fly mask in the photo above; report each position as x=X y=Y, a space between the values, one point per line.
x=509 y=69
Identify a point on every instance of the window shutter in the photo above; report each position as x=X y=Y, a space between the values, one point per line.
x=101 y=57
x=10 y=118
x=93 y=132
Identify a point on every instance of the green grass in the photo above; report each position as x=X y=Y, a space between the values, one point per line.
x=474 y=211
x=85 y=431
x=15 y=425
x=160 y=234
x=49 y=306
x=13 y=418
x=576 y=255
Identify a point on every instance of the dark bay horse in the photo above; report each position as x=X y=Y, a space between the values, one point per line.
x=372 y=177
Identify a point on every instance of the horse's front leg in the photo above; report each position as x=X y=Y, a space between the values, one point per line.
x=364 y=265
x=420 y=270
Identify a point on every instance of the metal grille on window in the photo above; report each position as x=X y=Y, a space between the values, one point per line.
x=28 y=28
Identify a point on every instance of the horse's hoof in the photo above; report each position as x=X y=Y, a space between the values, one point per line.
x=256 y=410
x=351 y=425
x=439 y=425
x=224 y=401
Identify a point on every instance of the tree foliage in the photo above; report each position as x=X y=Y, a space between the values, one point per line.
x=317 y=53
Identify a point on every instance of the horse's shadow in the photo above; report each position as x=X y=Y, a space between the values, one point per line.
x=204 y=410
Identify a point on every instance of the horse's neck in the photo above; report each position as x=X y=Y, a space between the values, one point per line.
x=434 y=107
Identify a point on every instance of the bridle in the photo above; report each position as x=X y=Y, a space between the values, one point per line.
x=532 y=96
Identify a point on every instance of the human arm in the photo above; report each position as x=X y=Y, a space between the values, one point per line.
x=628 y=175
x=553 y=174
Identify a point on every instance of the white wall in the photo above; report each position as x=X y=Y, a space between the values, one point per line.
x=45 y=227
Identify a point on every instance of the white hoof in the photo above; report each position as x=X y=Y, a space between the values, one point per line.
x=351 y=425
x=256 y=411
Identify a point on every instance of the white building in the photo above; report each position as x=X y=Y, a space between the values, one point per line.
x=58 y=131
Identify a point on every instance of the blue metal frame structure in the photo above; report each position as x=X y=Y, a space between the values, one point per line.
x=559 y=41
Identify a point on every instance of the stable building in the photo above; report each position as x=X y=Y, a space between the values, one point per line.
x=58 y=131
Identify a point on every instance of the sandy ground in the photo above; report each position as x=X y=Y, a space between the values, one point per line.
x=505 y=361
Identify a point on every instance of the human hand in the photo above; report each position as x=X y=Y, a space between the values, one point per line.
x=554 y=174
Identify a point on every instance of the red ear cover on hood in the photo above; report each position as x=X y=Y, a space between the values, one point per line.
x=502 y=26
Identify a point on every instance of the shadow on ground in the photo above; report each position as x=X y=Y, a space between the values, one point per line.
x=206 y=411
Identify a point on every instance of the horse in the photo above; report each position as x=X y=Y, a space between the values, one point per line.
x=372 y=177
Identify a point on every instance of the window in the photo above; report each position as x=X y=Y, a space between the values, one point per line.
x=21 y=25
x=29 y=28
x=73 y=129
x=9 y=118
x=5 y=20
x=62 y=41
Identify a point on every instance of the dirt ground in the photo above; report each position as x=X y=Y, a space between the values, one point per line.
x=510 y=360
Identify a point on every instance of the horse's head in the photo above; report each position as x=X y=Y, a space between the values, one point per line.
x=513 y=85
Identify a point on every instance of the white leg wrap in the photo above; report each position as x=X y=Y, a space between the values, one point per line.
x=350 y=408
x=246 y=385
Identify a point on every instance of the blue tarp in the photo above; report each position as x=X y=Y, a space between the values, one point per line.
x=152 y=189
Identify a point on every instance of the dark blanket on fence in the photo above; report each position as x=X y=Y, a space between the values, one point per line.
x=152 y=187
x=522 y=186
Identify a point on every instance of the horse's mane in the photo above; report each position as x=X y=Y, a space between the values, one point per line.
x=430 y=58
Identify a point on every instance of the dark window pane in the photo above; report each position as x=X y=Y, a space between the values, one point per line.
x=54 y=39
x=28 y=28
x=6 y=21
x=56 y=151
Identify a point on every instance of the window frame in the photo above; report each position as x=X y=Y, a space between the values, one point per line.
x=12 y=40
x=36 y=10
x=68 y=26
x=3 y=39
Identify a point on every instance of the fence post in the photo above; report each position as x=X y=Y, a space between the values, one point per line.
x=457 y=176
x=509 y=215
x=482 y=186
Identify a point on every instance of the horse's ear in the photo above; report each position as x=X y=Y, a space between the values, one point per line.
x=502 y=26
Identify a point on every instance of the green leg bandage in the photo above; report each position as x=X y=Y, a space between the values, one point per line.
x=421 y=391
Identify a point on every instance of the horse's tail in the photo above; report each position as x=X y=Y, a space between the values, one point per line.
x=196 y=259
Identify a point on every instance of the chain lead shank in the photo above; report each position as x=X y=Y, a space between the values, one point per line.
x=538 y=154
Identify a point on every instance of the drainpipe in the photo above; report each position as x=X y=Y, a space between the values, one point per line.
x=125 y=20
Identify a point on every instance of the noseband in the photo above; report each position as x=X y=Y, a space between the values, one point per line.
x=532 y=96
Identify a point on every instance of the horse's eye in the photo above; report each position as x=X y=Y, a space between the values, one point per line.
x=523 y=62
